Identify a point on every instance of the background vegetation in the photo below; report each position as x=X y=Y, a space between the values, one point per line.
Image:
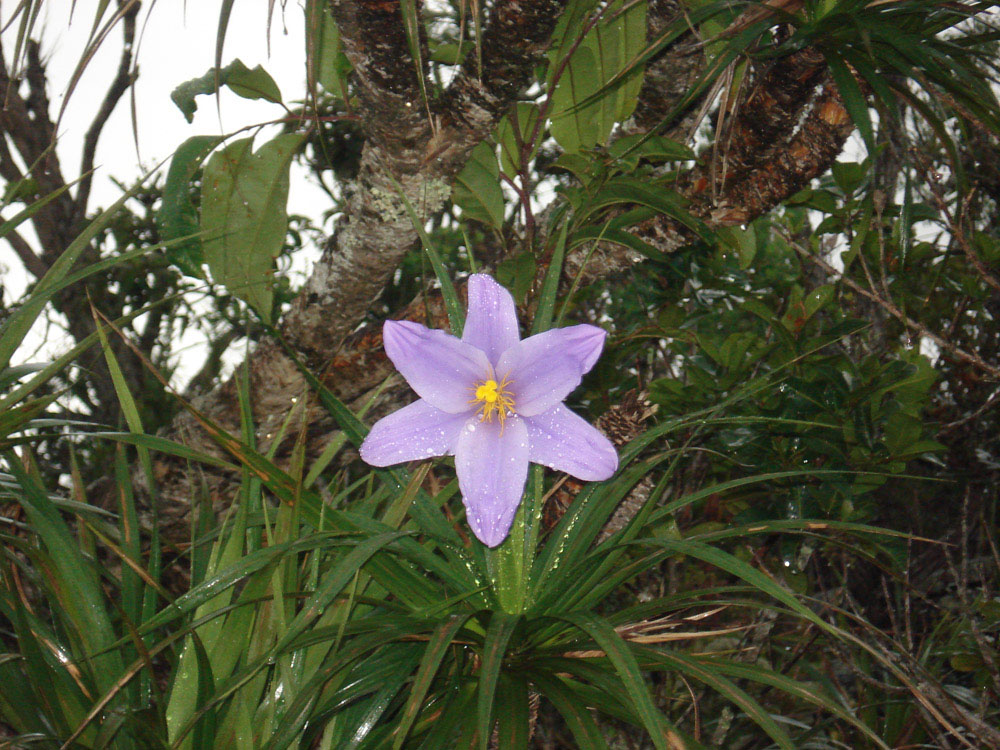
x=784 y=214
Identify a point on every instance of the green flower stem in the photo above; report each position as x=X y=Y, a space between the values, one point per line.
x=510 y=563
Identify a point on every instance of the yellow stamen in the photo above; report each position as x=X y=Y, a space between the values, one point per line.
x=496 y=400
x=487 y=391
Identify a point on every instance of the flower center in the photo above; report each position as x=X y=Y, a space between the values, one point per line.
x=494 y=399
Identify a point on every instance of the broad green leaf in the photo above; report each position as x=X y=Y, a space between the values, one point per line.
x=512 y=139
x=477 y=188
x=584 y=108
x=243 y=216
x=329 y=64
x=255 y=83
x=631 y=28
x=659 y=198
x=632 y=148
x=178 y=217
x=573 y=127
x=743 y=243
x=850 y=174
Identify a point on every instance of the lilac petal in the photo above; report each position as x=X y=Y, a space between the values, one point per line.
x=491 y=324
x=439 y=367
x=492 y=467
x=544 y=369
x=563 y=441
x=414 y=432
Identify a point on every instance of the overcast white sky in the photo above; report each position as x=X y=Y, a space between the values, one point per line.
x=176 y=42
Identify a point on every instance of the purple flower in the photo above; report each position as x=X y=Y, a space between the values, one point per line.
x=495 y=403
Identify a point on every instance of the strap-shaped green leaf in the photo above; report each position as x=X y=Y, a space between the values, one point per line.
x=17 y=325
x=334 y=582
x=498 y=635
x=573 y=710
x=512 y=711
x=550 y=286
x=430 y=663
x=663 y=734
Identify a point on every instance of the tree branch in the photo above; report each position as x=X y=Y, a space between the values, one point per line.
x=26 y=122
x=788 y=169
x=9 y=170
x=24 y=251
x=123 y=79
x=776 y=99
x=890 y=307
x=669 y=76
x=387 y=80
x=405 y=160
x=515 y=37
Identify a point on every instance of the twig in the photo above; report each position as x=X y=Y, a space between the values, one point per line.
x=28 y=257
x=987 y=405
x=123 y=79
x=8 y=167
x=909 y=322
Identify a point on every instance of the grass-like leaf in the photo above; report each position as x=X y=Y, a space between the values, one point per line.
x=498 y=635
x=663 y=734
x=430 y=663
